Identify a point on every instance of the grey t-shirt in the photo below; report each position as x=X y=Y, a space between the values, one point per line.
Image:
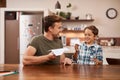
x=43 y=46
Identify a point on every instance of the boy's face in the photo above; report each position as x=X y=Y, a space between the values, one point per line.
x=89 y=36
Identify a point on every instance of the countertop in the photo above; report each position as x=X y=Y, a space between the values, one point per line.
x=105 y=48
x=108 y=52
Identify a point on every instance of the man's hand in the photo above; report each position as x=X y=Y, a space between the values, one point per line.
x=67 y=61
x=51 y=56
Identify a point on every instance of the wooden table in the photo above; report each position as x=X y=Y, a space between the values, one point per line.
x=60 y=72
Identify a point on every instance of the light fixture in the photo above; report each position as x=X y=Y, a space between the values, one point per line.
x=57 y=6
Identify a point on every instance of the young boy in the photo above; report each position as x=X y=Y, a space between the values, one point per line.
x=89 y=52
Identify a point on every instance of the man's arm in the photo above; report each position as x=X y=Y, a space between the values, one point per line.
x=29 y=58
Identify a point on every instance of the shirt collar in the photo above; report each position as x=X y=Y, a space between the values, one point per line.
x=94 y=44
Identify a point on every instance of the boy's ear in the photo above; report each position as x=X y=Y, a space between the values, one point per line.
x=96 y=37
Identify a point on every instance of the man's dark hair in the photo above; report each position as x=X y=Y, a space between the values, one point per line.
x=50 y=20
x=93 y=29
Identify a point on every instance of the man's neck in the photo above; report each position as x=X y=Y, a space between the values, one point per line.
x=48 y=36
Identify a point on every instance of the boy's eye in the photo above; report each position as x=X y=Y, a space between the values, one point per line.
x=87 y=35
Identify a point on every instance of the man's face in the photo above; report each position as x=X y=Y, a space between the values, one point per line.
x=56 y=29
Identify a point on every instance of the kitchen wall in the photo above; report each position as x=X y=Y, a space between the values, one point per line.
x=98 y=8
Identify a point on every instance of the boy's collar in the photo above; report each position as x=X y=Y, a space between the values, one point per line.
x=94 y=44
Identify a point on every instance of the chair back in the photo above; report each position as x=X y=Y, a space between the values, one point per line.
x=113 y=61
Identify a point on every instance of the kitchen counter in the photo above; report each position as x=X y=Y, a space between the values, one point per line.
x=108 y=52
x=118 y=47
x=105 y=48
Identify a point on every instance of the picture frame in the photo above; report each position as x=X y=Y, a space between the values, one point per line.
x=2 y=3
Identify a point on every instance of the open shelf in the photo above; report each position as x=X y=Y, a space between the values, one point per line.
x=74 y=31
x=72 y=20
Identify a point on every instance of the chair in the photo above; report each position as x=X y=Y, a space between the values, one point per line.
x=113 y=61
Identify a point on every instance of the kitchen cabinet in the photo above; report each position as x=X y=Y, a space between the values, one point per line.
x=11 y=41
x=2 y=3
x=110 y=52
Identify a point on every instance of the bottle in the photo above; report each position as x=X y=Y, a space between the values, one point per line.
x=112 y=41
x=63 y=38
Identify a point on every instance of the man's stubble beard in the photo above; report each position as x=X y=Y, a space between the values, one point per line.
x=56 y=36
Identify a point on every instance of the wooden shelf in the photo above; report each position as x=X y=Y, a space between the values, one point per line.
x=75 y=31
x=71 y=20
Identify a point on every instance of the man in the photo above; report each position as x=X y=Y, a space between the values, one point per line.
x=38 y=50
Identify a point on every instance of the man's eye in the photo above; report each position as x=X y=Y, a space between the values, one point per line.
x=60 y=27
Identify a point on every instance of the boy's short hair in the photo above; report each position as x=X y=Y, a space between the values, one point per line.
x=94 y=30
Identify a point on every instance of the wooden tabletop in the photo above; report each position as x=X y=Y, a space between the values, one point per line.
x=60 y=72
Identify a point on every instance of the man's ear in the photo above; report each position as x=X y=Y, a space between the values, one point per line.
x=50 y=28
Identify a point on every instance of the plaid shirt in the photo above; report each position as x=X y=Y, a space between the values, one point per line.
x=87 y=53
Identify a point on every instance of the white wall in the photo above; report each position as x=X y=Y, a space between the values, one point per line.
x=79 y=8
x=107 y=27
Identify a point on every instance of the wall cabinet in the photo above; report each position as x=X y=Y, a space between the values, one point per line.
x=2 y=3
